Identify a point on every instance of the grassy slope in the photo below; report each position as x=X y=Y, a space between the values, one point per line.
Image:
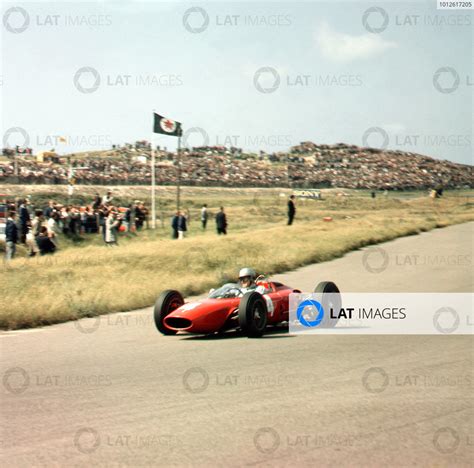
x=95 y=280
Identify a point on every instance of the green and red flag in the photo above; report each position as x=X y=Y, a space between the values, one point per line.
x=166 y=126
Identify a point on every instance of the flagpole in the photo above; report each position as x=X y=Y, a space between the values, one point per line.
x=153 y=197
x=178 y=186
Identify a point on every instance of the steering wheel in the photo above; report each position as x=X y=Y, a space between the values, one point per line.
x=262 y=280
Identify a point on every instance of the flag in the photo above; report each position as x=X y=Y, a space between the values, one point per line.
x=166 y=126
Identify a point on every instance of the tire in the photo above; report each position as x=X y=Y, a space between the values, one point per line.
x=334 y=301
x=253 y=314
x=167 y=301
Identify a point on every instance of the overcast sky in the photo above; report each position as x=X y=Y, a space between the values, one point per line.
x=253 y=75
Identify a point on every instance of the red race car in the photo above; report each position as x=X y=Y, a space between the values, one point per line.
x=229 y=307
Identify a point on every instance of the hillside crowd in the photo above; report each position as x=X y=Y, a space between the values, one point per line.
x=306 y=165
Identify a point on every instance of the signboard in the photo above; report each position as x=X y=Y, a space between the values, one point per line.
x=310 y=193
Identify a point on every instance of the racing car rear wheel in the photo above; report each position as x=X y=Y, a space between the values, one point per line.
x=167 y=301
x=253 y=314
x=330 y=299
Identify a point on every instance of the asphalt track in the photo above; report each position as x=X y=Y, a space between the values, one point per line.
x=113 y=392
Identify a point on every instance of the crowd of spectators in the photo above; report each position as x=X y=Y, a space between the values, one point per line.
x=306 y=165
x=38 y=227
x=347 y=166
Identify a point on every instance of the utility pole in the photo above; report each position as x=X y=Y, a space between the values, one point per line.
x=153 y=182
x=178 y=186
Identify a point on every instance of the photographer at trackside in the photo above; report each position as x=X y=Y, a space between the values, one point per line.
x=44 y=242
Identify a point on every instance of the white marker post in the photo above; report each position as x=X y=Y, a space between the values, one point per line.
x=153 y=197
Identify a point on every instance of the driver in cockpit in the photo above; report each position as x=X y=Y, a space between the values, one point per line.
x=247 y=281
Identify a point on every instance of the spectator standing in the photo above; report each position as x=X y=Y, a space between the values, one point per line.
x=145 y=215
x=204 y=216
x=65 y=217
x=32 y=235
x=83 y=220
x=44 y=242
x=221 y=222
x=111 y=226
x=91 y=221
x=291 y=210
x=107 y=198
x=74 y=221
x=128 y=218
x=174 y=225
x=102 y=213
x=139 y=216
x=37 y=222
x=182 y=225
x=11 y=236
x=48 y=211
x=53 y=227
x=24 y=221
x=97 y=202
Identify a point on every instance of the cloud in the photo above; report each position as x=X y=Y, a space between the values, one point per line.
x=341 y=47
x=395 y=127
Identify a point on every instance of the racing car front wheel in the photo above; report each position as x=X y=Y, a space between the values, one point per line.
x=330 y=299
x=253 y=314
x=167 y=301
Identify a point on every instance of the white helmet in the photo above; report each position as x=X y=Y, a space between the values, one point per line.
x=247 y=272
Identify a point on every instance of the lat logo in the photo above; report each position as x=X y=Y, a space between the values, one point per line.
x=304 y=317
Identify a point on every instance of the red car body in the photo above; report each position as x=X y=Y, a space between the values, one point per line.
x=210 y=315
